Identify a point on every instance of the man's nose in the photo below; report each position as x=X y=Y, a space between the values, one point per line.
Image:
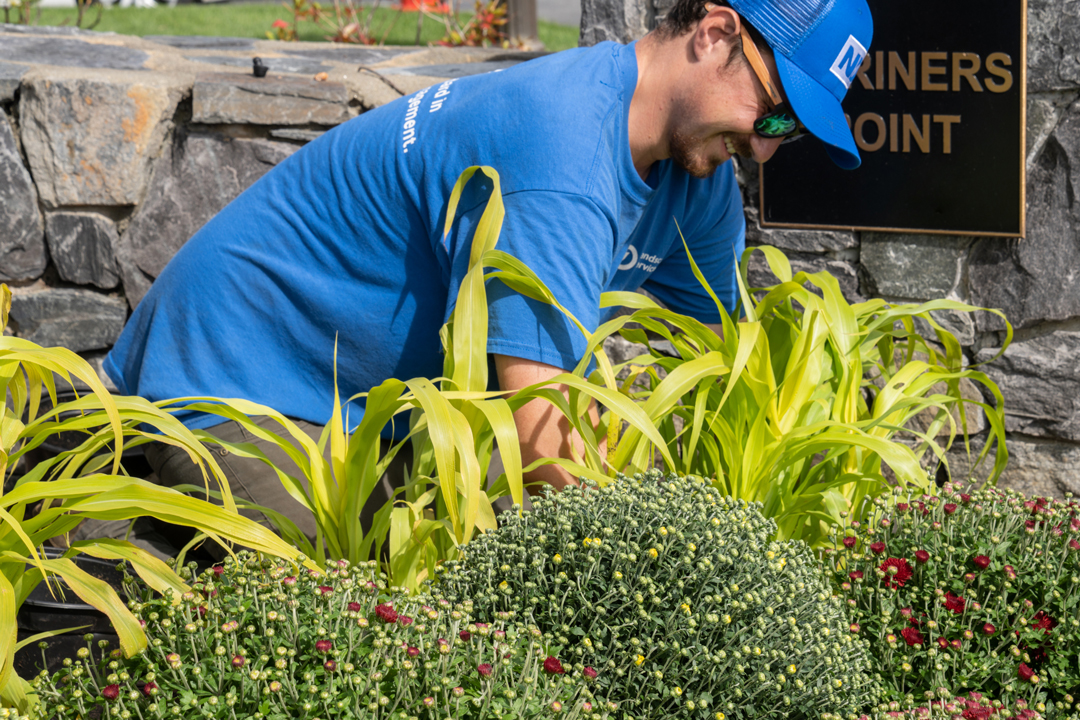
x=764 y=147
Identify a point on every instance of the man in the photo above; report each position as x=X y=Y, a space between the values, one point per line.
x=600 y=150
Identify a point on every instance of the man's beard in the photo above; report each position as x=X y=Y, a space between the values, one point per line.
x=688 y=153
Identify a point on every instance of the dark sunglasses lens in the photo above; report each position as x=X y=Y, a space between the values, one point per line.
x=793 y=138
x=776 y=125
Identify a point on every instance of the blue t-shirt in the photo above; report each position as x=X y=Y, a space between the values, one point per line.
x=343 y=240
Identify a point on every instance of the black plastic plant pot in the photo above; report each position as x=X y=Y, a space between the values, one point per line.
x=62 y=609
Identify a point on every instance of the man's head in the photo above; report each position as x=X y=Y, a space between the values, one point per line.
x=810 y=51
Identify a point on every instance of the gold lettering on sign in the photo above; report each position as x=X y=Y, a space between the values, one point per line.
x=860 y=138
x=959 y=71
x=911 y=132
x=928 y=70
x=946 y=126
x=879 y=70
x=993 y=67
x=893 y=145
x=862 y=73
x=906 y=72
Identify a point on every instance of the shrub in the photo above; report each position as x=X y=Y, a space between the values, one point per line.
x=256 y=640
x=984 y=595
x=676 y=594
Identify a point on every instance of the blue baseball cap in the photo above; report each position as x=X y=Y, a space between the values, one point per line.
x=819 y=46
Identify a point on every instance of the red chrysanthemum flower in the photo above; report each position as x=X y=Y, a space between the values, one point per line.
x=325 y=589
x=465 y=635
x=412 y=651
x=1074 y=544
x=907 y=612
x=855 y=574
x=289 y=581
x=902 y=507
x=324 y=646
x=354 y=607
x=484 y=669
x=1010 y=572
x=1025 y=673
x=897 y=572
x=330 y=665
x=110 y=692
x=849 y=541
x=954 y=603
x=964 y=498
x=956 y=643
x=981 y=561
x=239 y=661
x=589 y=672
x=386 y=613
x=950 y=508
x=218 y=570
x=942 y=643
x=922 y=557
x=854 y=627
x=1043 y=622
x=404 y=620
x=912 y=636
x=149 y=688
x=552 y=666
x=877 y=548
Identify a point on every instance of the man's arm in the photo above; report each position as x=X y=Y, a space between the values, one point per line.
x=543 y=430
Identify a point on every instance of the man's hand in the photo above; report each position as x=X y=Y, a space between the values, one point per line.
x=542 y=429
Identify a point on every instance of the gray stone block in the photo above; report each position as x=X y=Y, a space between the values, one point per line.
x=82 y=246
x=340 y=53
x=79 y=320
x=1053 y=39
x=451 y=70
x=1040 y=380
x=802 y=241
x=189 y=42
x=22 y=233
x=196 y=178
x=845 y=273
x=1035 y=279
x=1036 y=468
x=69 y=52
x=916 y=267
x=298 y=66
x=10 y=77
x=91 y=142
x=233 y=98
x=618 y=20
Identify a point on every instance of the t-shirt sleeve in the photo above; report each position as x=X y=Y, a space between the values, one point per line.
x=568 y=242
x=716 y=248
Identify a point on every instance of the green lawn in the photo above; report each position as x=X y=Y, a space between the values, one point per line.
x=254 y=21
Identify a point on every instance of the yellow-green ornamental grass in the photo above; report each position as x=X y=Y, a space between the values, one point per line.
x=676 y=596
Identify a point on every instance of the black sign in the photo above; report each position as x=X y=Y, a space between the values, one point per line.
x=937 y=111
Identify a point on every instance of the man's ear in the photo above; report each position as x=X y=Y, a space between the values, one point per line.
x=716 y=32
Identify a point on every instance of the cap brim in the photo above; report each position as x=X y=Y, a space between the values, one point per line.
x=820 y=111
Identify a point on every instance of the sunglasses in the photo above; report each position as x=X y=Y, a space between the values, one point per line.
x=781 y=122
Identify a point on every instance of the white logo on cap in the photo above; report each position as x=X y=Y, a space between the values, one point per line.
x=847 y=63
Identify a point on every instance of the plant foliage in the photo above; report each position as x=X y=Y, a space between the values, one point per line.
x=54 y=496
x=985 y=596
x=678 y=595
x=253 y=640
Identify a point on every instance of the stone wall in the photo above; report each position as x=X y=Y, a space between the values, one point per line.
x=1034 y=281
x=114 y=150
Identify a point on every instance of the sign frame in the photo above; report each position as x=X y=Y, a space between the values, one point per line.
x=1021 y=230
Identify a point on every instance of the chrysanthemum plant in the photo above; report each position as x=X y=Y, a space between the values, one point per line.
x=253 y=639
x=802 y=405
x=677 y=595
x=963 y=593
x=87 y=482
